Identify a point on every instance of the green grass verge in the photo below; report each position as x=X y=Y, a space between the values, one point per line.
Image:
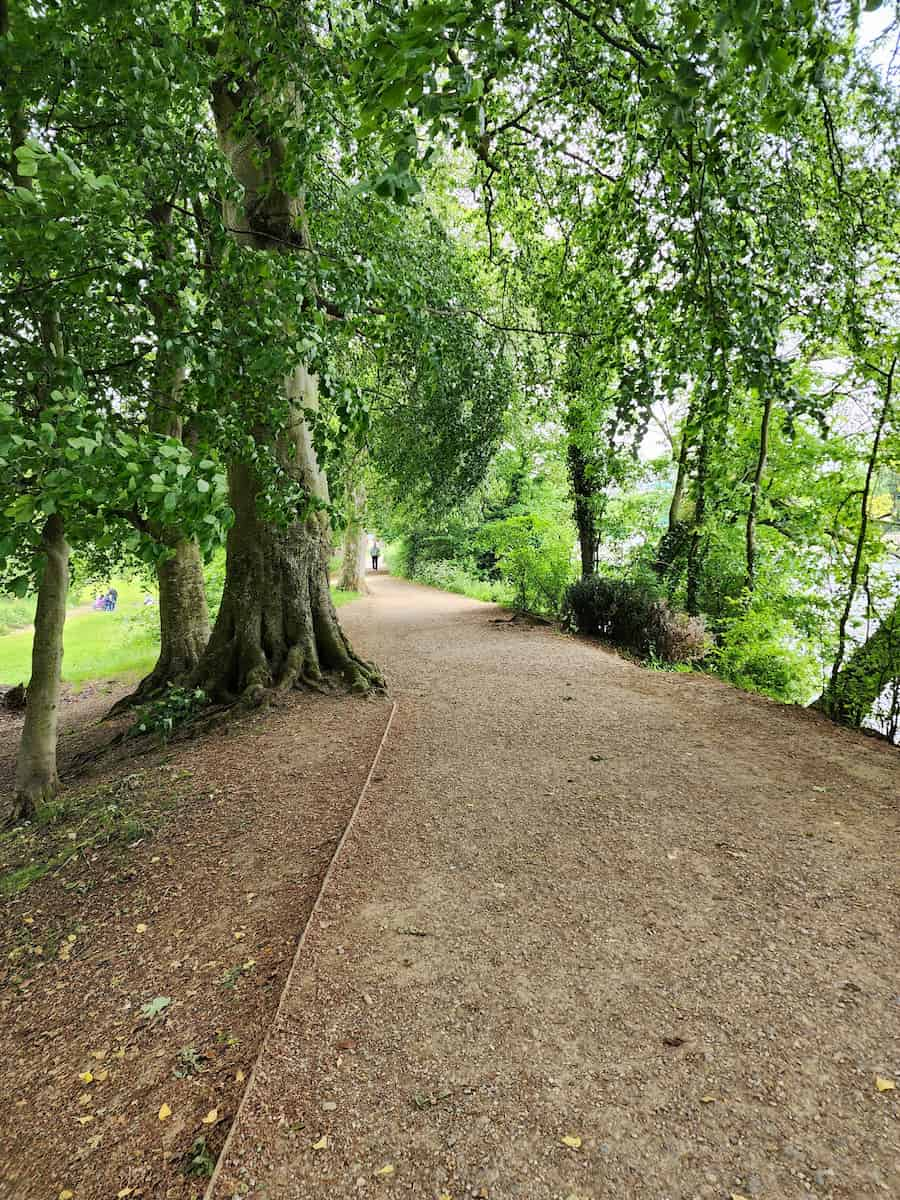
x=341 y=598
x=101 y=645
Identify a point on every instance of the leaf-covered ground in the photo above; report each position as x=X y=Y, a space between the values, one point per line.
x=148 y=921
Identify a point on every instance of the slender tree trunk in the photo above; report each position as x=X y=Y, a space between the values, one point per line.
x=583 y=506
x=353 y=563
x=276 y=627
x=695 y=556
x=36 y=776
x=755 y=490
x=680 y=478
x=873 y=665
x=863 y=530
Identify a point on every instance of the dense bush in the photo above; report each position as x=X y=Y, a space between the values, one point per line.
x=758 y=651
x=534 y=556
x=630 y=615
x=453 y=577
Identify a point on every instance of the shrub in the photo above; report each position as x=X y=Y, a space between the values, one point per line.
x=761 y=653
x=630 y=615
x=453 y=577
x=534 y=556
x=677 y=637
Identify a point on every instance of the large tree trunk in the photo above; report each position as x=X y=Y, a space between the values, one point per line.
x=353 y=563
x=36 y=776
x=277 y=627
x=873 y=665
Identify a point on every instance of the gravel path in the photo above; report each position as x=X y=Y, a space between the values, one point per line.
x=644 y=912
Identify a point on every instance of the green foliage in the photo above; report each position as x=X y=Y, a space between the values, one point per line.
x=758 y=650
x=163 y=716
x=452 y=576
x=533 y=557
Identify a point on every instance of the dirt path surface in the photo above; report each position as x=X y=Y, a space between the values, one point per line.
x=641 y=911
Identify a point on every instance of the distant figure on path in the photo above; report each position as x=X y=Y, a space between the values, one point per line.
x=111 y=597
x=375 y=551
x=100 y=603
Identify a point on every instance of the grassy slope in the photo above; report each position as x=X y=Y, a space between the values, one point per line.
x=101 y=645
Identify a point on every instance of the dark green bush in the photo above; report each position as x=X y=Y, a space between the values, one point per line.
x=632 y=616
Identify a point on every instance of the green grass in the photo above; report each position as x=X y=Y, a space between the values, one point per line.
x=100 y=645
x=341 y=598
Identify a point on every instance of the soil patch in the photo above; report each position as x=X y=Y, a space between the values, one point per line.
x=140 y=972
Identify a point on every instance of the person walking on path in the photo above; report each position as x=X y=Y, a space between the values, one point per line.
x=375 y=551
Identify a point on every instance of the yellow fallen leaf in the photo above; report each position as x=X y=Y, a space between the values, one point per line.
x=65 y=1194
x=85 y=1098
x=86 y=1077
x=124 y=1193
x=572 y=1141
x=239 y=1077
x=321 y=1144
x=884 y=1085
x=707 y=1099
x=84 y=1120
x=387 y=1169
x=164 y=1111
x=738 y=1196
x=99 y=1054
x=101 y=1076
x=211 y=1117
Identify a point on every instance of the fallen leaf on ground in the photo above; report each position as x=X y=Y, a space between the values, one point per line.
x=99 y=1054
x=164 y=1112
x=321 y=1144
x=739 y=1196
x=101 y=1076
x=387 y=1169
x=86 y=1077
x=349 y=1044
x=84 y=1120
x=707 y=1099
x=572 y=1141
x=884 y=1085
x=129 y=1191
x=142 y=928
x=155 y=1006
x=65 y=1194
x=239 y=1077
x=211 y=1117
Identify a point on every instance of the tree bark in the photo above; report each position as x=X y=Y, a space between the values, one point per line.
x=276 y=627
x=863 y=529
x=583 y=506
x=873 y=665
x=353 y=563
x=753 y=508
x=36 y=774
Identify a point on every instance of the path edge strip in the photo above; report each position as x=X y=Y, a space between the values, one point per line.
x=209 y=1194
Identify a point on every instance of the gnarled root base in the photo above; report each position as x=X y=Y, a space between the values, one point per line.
x=29 y=797
x=277 y=628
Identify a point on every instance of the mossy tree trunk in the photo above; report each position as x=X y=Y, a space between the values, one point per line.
x=277 y=627
x=37 y=780
x=583 y=502
x=874 y=665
